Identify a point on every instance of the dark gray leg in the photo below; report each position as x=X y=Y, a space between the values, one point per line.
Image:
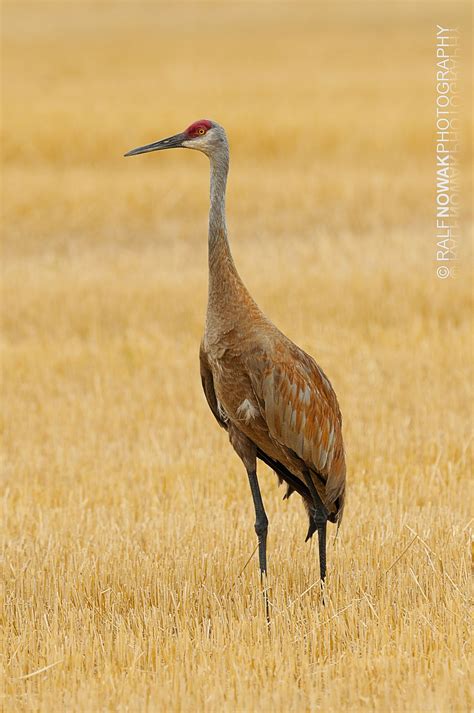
x=320 y=518
x=247 y=451
x=261 y=528
x=261 y=521
x=322 y=549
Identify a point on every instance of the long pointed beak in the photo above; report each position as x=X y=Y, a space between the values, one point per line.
x=173 y=142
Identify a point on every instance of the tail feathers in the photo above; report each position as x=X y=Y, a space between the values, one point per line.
x=311 y=529
x=334 y=496
x=289 y=488
x=293 y=483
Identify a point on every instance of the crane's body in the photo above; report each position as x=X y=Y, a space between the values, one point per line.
x=273 y=399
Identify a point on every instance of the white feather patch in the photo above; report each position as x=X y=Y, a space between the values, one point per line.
x=246 y=410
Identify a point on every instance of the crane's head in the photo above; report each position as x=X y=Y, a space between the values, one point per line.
x=203 y=135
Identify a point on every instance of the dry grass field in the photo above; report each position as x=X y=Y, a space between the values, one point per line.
x=127 y=518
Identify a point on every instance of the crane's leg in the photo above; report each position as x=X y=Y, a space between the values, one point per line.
x=261 y=528
x=320 y=519
x=322 y=549
x=247 y=451
x=261 y=521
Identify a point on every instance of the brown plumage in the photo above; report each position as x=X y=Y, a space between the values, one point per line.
x=275 y=402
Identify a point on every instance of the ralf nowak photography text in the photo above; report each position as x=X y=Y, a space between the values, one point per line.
x=447 y=150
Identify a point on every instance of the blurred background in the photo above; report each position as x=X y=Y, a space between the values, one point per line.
x=330 y=113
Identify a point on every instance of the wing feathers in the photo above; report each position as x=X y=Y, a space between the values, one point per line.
x=302 y=414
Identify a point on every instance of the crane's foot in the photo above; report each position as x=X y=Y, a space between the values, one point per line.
x=261 y=528
x=264 y=583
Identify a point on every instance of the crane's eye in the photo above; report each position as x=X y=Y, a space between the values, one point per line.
x=201 y=131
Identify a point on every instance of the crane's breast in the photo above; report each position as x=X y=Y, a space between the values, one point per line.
x=235 y=398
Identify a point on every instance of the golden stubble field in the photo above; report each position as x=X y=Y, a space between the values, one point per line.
x=127 y=518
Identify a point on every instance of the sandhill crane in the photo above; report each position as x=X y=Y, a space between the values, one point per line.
x=271 y=397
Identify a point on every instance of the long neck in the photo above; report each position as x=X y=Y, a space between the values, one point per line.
x=219 y=250
x=227 y=296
